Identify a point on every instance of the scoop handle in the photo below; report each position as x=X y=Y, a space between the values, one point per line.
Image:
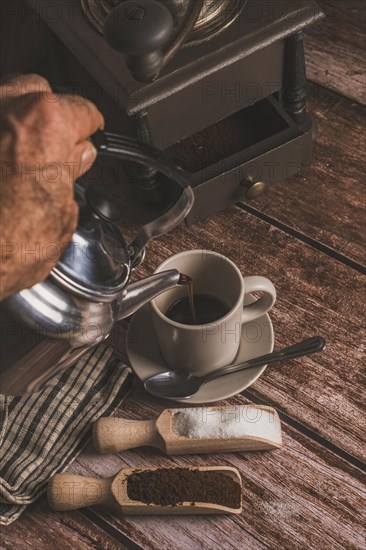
x=113 y=435
x=70 y=492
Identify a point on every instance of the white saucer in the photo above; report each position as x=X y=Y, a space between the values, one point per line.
x=146 y=360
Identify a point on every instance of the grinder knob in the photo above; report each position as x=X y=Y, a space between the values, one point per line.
x=140 y=29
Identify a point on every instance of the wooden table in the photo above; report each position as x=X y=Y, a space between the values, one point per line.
x=308 y=236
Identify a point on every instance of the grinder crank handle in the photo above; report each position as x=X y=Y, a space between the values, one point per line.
x=140 y=30
x=113 y=435
x=126 y=148
x=143 y=31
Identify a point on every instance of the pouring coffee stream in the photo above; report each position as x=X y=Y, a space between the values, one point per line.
x=196 y=309
x=186 y=280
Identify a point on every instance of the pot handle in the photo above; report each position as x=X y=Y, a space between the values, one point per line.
x=126 y=148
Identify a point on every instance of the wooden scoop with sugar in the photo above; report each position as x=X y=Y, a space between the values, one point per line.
x=193 y=430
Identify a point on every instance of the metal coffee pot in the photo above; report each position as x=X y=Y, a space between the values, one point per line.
x=76 y=307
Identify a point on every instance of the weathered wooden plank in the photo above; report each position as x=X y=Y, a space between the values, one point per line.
x=39 y=527
x=323 y=392
x=326 y=202
x=316 y=295
x=301 y=496
x=335 y=48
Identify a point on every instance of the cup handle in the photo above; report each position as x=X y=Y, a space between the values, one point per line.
x=265 y=302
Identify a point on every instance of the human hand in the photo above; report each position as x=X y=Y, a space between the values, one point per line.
x=44 y=149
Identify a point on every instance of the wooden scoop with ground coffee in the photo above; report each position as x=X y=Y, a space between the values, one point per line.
x=173 y=491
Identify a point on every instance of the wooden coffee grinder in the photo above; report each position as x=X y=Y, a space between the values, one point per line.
x=219 y=84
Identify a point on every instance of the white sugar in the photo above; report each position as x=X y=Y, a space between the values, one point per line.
x=228 y=422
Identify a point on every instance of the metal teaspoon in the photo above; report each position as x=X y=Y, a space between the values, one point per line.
x=175 y=385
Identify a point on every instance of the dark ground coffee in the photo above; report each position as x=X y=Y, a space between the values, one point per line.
x=171 y=486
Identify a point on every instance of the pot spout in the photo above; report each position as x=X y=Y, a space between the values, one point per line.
x=139 y=293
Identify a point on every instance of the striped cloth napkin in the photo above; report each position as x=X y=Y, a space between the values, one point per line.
x=42 y=433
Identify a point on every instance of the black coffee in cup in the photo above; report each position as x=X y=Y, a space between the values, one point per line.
x=207 y=309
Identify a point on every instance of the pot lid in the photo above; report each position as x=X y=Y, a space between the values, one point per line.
x=96 y=263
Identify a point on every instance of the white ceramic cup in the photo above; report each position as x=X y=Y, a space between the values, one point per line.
x=200 y=349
